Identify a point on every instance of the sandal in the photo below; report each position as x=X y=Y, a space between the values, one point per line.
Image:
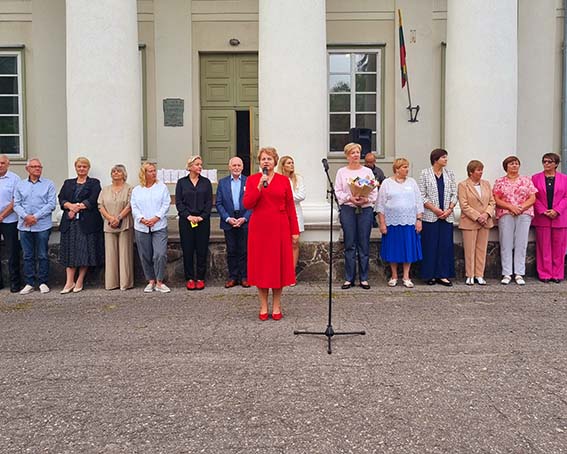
x=407 y=283
x=392 y=282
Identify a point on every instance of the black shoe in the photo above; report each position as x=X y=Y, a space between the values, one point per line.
x=15 y=289
x=557 y=281
x=446 y=282
x=545 y=281
x=347 y=285
x=431 y=282
x=365 y=286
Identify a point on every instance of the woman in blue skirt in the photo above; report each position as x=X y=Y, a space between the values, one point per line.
x=439 y=192
x=400 y=209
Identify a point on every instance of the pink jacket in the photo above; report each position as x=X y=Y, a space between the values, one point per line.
x=559 y=201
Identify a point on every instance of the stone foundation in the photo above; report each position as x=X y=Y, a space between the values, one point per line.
x=312 y=266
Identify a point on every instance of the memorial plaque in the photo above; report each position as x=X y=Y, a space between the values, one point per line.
x=173 y=112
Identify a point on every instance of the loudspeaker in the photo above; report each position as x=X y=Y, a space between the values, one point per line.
x=363 y=137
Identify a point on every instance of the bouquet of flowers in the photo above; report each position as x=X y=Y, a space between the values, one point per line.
x=362 y=187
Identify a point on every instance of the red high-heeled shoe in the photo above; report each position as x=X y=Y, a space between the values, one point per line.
x=277 y=316
x=263 y=317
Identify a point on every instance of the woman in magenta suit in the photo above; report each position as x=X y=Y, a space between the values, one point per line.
x=272 y=229
x=550 y=220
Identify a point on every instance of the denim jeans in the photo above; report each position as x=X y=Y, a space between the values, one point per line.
x=356 y=234
x=35 y=247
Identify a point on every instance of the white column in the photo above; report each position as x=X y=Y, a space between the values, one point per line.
x=293 y=96
x=481 y=83
x=103 y=86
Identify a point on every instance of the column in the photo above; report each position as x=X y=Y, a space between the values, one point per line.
x=481 y=83
x=293 y=96
x=103 y=86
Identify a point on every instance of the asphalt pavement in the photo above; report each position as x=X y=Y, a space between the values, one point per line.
x=439 y=370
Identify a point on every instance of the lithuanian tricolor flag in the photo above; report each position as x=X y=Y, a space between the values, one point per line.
x=403 y=66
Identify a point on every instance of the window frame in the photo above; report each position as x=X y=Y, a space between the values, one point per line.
x=378 y=130
x=18 y=52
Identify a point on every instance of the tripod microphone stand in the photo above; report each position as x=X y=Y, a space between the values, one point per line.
x=330 y=332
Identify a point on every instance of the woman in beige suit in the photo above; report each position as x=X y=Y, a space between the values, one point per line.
x=477 y=213
x=114 y=206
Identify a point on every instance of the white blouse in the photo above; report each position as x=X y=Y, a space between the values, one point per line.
x=149 y=202
x=298 y=197
x=400 y=203
x=342 y=188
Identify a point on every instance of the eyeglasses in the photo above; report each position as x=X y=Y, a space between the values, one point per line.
x=548 y=161
x=35 y=167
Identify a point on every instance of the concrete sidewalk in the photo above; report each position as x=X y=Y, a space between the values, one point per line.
x=441 y=370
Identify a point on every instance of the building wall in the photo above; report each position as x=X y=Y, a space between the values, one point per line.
x=213 y=22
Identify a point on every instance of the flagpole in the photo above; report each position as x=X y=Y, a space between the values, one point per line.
x=405 y=77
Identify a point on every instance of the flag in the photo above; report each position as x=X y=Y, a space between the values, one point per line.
x=403 y=66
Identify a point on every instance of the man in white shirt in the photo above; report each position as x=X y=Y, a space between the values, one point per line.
x=9 y=224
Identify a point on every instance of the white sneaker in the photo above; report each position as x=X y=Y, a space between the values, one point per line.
x=480 y=280
x=27 y=289
x=162 y=288
x=506 y=280
x=149 y=288
x=520 y=280
x=469 y=281
x=43 y=288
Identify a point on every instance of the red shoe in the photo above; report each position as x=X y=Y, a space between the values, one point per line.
x=245 y=284
x=263 y=317
x=200 y=285
x=277 y=316
x=230 y=283
x=190 y=284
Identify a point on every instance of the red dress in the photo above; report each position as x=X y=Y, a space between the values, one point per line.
x=272 y=223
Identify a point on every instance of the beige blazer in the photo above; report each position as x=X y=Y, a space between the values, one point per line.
x=472 y=206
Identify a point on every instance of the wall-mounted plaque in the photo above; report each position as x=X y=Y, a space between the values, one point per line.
x=173 y=112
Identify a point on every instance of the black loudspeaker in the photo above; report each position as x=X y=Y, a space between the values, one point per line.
x=363 y=137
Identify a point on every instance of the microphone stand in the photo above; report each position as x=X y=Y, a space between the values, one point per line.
x=330 y=332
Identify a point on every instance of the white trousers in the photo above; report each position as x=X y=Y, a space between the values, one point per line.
x=513 y=232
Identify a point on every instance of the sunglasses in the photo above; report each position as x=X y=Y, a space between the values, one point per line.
x=548 y=161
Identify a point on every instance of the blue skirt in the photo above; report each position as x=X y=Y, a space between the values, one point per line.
x=402 y=244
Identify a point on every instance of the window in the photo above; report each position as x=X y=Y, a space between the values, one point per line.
x=11 y=103
x=355 y=96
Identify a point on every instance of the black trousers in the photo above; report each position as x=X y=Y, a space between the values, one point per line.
x=195 y=241
x=9 y=232
x=237 y=252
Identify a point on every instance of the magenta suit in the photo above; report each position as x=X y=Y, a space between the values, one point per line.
x=551 y=234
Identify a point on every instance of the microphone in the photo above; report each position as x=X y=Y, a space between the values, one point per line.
x=325 y=164
x=265 y=172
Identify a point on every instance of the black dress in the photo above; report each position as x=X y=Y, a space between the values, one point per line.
x=82 y=240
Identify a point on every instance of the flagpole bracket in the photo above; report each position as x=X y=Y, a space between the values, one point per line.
x=413 y=111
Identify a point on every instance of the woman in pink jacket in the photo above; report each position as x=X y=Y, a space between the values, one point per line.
x=550 y=220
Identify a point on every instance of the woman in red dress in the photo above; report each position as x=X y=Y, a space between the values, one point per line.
x=273 y=227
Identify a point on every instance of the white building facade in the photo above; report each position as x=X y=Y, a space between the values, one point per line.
x=121 y=81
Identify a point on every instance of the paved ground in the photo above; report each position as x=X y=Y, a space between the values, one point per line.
x=458 y=370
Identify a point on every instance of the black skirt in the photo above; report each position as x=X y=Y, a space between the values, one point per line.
x=80 y=249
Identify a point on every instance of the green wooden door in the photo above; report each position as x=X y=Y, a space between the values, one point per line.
x=228 y=82
x=218 y=127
